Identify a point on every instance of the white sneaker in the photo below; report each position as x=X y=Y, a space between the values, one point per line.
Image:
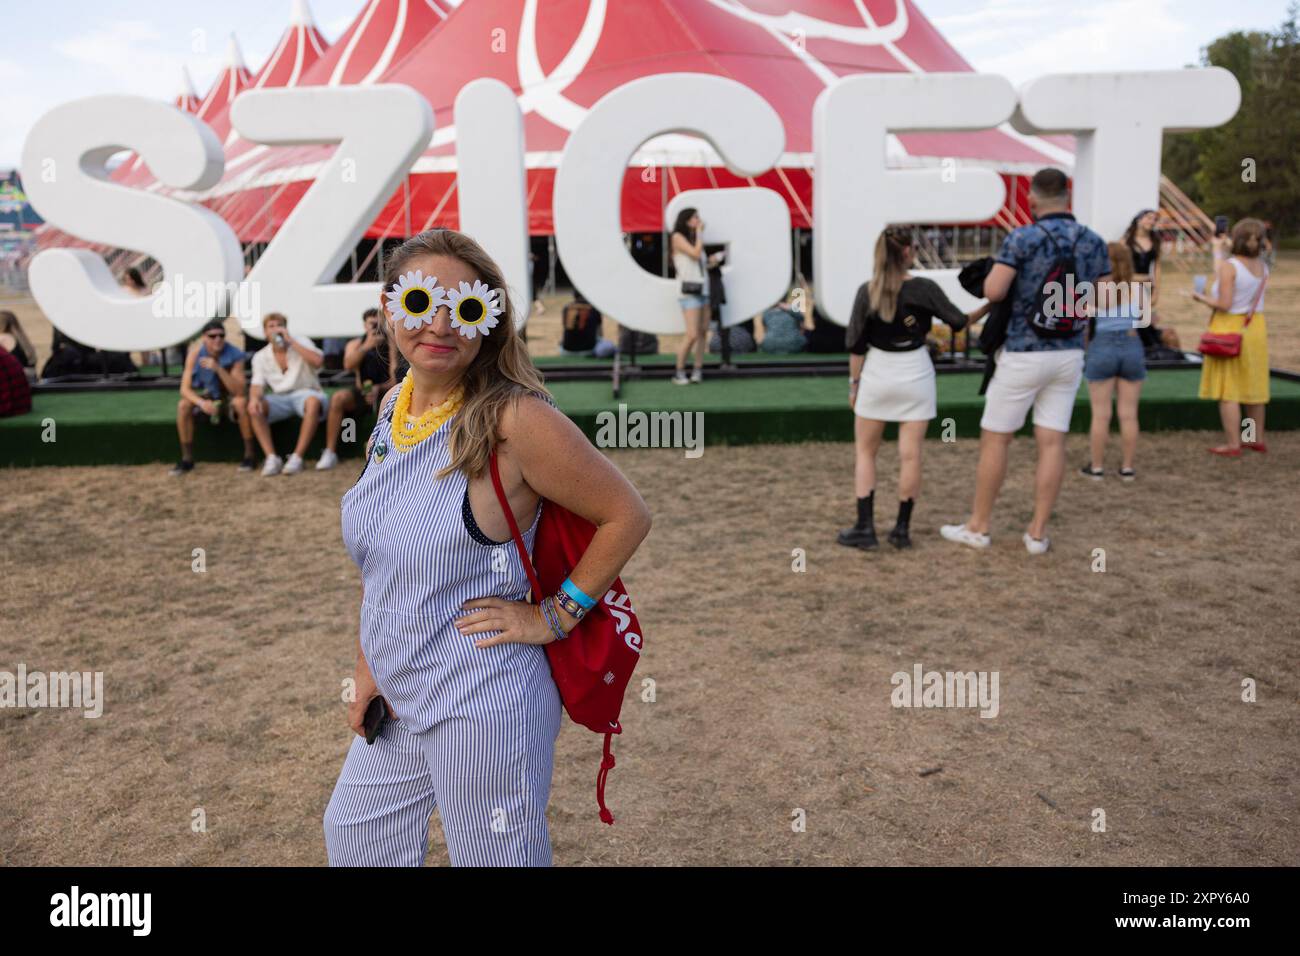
x=960 y=534
x=328 y=459
x=681 y=379
x=273 y=465
x=293 y=465
x=697 y=376
x=1036 y=545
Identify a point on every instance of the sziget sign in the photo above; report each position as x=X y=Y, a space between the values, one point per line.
x=1118 y=120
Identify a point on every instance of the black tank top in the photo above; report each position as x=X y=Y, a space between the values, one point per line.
x=1143 y=262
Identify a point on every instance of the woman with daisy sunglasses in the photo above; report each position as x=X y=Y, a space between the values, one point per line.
x=448 y=645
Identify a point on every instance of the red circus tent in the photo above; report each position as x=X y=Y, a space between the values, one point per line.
x=562 y=56
x=187 y=99
x=300 y=47
x=233 y=79
x=383 y=32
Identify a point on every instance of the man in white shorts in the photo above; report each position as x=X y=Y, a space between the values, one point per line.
x=284 y=384
x=1034 y=370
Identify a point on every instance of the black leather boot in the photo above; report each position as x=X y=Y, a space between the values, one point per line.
x=863 y=534
x=900 y=537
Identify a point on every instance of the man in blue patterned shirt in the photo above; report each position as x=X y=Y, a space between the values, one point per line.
x=1035 y=370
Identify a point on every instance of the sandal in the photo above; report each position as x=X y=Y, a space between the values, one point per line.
x=1225 y=451
x=1259 y=446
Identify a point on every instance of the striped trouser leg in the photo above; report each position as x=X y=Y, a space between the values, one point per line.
x=492 y=774
x=379 y=813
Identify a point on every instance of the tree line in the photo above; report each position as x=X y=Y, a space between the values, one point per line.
x=1251 y=165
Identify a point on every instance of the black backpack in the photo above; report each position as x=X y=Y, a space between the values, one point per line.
x=1059 y=293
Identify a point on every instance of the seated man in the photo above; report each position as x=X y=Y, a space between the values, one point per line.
x=284 y=384
x=212 y=382
x=372 y=361
x=581 y=327
x=783 y=329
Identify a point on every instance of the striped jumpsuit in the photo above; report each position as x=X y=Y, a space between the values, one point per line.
x=476 y=728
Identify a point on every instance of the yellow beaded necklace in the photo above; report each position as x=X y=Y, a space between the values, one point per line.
x=413 y=429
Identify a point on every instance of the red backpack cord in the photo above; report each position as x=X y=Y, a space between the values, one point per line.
x=606 y=765
x=607 y=760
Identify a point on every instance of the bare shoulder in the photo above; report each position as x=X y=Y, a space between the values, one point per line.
x=532 y=421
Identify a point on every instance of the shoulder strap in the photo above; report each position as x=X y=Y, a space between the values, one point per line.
x=1259 y=294
x=514 y=527
x=1048 y=233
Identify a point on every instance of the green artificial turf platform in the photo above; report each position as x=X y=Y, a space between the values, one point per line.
x=136 y=427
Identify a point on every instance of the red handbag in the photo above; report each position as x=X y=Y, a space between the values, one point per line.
x=593 y=664
x=1228 y=344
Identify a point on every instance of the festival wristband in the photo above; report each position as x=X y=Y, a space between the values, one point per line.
x=569 y=605
x=575 y=592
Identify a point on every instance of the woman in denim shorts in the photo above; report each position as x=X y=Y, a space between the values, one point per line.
x=688 y=262
x=1115 y=365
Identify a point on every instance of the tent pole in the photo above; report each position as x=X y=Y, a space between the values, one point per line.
x=663 y=239
x=406 y=202
x=550 y=264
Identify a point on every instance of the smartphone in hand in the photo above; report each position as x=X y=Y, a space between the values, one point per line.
x=376 y=711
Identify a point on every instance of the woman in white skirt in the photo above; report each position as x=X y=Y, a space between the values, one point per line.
x=891 y=378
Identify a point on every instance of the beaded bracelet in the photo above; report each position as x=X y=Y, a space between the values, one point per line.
x=575 y=592
x=552 y=618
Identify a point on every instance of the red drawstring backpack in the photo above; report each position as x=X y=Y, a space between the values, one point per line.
x=592 y=666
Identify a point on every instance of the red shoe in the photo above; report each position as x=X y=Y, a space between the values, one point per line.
x=1259 y=446
x=1226 y=452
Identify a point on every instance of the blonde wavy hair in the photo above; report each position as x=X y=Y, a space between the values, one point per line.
x=502 y=372
x=890 y=268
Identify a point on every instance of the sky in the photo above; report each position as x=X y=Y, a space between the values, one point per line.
x=52 y=51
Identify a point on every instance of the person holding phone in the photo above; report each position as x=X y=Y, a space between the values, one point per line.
x=1236 y=301
x=374 y=367
x=285 y=384
x=446 y=634
x=688 y=263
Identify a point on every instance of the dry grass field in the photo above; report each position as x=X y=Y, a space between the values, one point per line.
x=1119 y=691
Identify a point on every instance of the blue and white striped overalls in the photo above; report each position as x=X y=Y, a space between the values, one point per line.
x=476 y=728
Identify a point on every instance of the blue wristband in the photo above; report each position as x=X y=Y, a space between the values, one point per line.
x=575 y=592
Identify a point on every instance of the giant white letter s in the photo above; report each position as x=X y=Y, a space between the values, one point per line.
x=66 y=179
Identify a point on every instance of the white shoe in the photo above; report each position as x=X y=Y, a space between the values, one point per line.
x=293 y=465
x=960 y=534
x=328 y=459
x=681 y=379
x=697 y=376
x=273 y=465
x=1036 y=545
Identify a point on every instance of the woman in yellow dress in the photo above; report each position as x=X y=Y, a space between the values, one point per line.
x=1241 y=382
